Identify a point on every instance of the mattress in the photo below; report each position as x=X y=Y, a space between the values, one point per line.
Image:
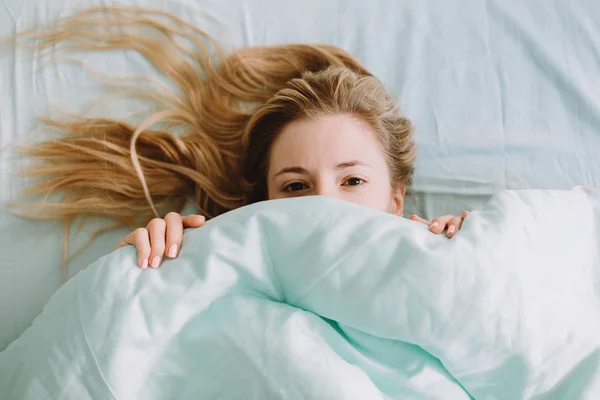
x=503 y=95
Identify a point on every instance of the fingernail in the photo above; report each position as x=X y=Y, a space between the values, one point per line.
x=173 y=251
x=451 y=229
x=155 y=262
x=145 y=263
x=433 y=225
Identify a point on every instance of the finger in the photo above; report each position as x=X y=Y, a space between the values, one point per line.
x=140 y=239
x=193 y=221
x=157 y=230
x=464 y=214
x=453 y=226
x=126 y=241
x=415 y=217
x=174 y=233
x=438 y=224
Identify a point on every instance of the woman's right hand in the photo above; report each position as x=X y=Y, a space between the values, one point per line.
x=161 y=237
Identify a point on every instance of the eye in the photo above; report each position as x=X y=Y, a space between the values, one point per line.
x=294 y=187
x=354 y=182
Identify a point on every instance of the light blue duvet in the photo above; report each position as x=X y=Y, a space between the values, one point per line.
x=314 y=298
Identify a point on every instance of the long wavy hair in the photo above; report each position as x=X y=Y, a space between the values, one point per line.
x=210 y=139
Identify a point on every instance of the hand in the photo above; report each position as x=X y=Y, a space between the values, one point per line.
x=448 y=223
x=161 y=237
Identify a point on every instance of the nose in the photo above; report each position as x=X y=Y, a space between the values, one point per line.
x=325 y=190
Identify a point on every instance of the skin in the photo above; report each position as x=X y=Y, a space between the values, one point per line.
x=335 y=156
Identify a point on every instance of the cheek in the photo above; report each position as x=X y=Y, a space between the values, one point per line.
x=377 y=195
x=272 y=194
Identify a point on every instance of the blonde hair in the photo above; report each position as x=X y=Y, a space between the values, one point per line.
x=229 y=110
x=334 y=90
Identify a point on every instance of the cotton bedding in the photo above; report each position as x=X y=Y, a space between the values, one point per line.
x=503 y=94
x=315 y=298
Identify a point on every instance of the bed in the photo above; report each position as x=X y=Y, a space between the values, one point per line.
x=503 y=95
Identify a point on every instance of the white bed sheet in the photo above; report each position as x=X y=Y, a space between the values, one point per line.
x=504 y=94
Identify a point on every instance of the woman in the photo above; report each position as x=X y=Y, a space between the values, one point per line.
x=266 y=123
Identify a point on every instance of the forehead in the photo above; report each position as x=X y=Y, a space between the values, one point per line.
x=327 y=139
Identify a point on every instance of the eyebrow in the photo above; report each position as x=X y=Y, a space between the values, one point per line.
x=300 y=170
x=352 y=163
x=292 y=170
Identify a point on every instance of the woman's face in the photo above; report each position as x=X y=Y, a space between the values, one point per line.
x=335 y=156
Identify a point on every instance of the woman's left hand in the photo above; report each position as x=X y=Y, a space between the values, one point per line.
x=448 y=223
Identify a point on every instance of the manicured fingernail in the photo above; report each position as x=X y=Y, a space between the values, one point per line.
x=155 y=262
x=145 y=263
x=433 y=225
x=173 y=251
x=451 y=229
